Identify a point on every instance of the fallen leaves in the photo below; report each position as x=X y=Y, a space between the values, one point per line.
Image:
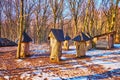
x=39 y=66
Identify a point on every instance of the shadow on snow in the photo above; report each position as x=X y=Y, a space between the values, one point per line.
x=108 y=74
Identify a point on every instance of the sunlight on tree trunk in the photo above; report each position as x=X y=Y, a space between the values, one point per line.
x=113 y=15
x=74 y=6
x=21 y=29
x=86 y=17
x=0 y=18
x=0 y=25
x=91 y=18
x=57 y=9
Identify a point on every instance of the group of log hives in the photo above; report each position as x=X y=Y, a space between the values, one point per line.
x=83 y=42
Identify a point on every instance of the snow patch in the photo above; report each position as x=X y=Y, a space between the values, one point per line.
x=39 y=51
x=34 y=46
x=79 y=78
x=27 y=64
x=77 y=66
x=19 y=60
x=36 y=78
x=63 y=58
x=40 y=61
x=7 y=77
x=93 y=52
x=111 y=66
x=69 y=52
x=99 y=62
x=102 y=52
x=72 y=47
x=25 y=74
x=39 y=75
x=37 y=72
x=54 y=78
x=116 y=45
x=73 y=60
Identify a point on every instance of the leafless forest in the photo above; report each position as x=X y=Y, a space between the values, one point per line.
x=39 y=16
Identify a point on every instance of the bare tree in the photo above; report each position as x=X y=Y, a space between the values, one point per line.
x=115 y=15
x=17 y=11
x=28 y=11
x=57 y=9
x=74 y=6
x=41 y=17
x=110 y=13
x=0 y=17
x=117 y=21
x=86 y=17
x=21 y=28
x=8 y=8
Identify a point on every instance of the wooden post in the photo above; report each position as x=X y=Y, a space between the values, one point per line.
x=89 y=44
x=24 y=49
x=56 y=37
x=108 y=42
x=117 y=38
x=80 y=48
x=55 y=51
x=66 y=45
x=95 y=40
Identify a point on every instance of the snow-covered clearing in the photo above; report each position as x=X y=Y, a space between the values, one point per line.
x=99 y=64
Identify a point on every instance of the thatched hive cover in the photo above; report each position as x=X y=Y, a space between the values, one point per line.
x=58 y=33
x=5 y=42
x=81 y=37
x=26 y=37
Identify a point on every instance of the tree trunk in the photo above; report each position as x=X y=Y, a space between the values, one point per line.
x=0 y=24
x=54 y=22
x=86 y=18
x=113 y=15
x=76 y=31
x=21 y=29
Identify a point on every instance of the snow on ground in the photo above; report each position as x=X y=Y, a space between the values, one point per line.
x=107 y=62
x=38 y=49
x=38 y=75
x=99 y=64
x=19 y=60
x=105 y=58
x=71 y=51
x=93 y=52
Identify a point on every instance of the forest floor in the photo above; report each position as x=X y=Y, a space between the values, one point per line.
x=98 y=64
